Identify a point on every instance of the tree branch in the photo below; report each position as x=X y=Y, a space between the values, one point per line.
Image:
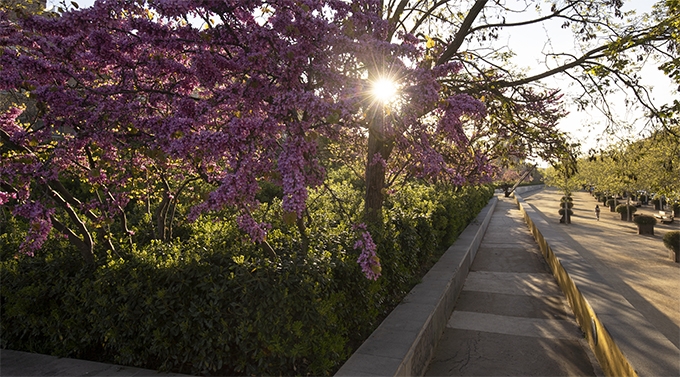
x=592 y=54
x=83 y=247
x=453 y=47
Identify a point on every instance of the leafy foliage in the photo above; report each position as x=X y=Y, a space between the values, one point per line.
x=650 y=164
x=644 y=220
x=212 y=302
x=561 y=212
x=672 y=240
x=623 y=208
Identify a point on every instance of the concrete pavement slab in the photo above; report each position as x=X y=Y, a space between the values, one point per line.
x=511 y=283
x=509 y=258
x=510 y=325
x=513 y=305
x=511 y=318
x=479 y=353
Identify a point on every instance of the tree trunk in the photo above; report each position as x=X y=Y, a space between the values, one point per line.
x=85 y=245
x=379 y=149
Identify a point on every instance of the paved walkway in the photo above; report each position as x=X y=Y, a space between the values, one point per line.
x=16 y=364
x=637 y=267
x=511 y=318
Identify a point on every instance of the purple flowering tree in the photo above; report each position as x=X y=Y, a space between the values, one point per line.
x=135 y=102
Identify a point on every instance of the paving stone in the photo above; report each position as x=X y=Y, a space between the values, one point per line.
x=552 y=307
x=479 y=353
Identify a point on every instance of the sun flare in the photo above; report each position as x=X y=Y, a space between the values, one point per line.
x=384 y=90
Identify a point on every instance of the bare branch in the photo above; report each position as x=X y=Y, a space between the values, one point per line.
x=453 y=47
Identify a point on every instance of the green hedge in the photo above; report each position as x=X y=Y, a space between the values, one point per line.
x=624 y=208
x=644 y=220
x=212 y=303
x=672 y=240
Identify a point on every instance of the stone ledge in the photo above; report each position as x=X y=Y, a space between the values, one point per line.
x=522 y=189
x=404 y=342
x=624 y=341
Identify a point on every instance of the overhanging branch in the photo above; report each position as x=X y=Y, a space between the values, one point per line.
x=453 y=47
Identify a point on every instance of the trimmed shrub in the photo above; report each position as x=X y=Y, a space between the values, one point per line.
x=561 y=212
x=672 y=240
x=623 y=208
x=644 y=219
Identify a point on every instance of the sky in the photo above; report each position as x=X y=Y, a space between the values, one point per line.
x=586 y=127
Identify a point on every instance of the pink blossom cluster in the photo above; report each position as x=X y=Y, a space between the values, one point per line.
x=40 y=224
x=8 y=124
x=257 y=231
x=446 y=153
x=292 y=163
x=454 y=108
x=5 y=197
x=368 y=259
